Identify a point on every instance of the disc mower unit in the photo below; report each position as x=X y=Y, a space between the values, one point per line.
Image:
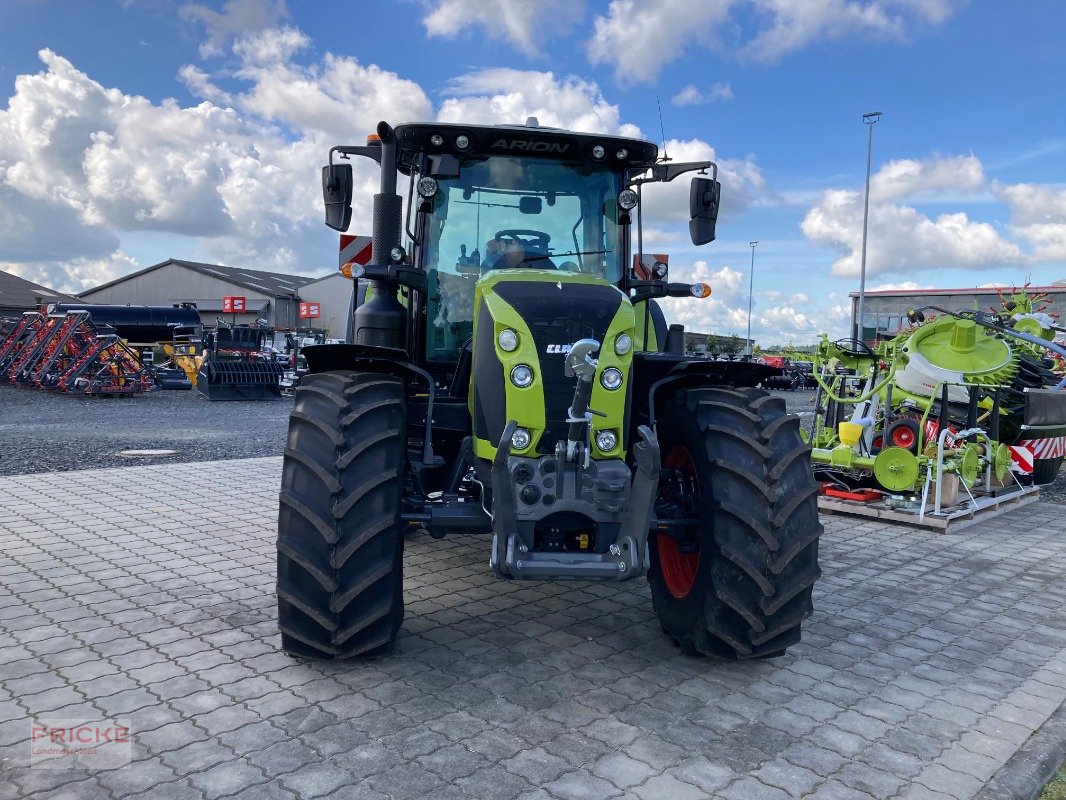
x=69 y=353
x=974 y=373
x=510 y=373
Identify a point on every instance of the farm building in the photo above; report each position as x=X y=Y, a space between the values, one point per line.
x=18 y=295
x=885 y=312
x=333 y=295
x=271 y=296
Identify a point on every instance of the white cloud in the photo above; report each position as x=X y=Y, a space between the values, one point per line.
x=522 y=23
x=639 y=38
x=1038 y=213
x=199 y=84
x=901 y=238
x=776 y=317
x=907 y=177
x=796 y=24
x=237 y=17
x=509 y=96
x=724 y=312
x=691 y=96
x=240 y=181
x=73 y=275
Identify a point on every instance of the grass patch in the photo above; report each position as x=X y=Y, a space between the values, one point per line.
x=1056 y=790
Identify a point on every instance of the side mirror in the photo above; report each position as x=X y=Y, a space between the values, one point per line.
x=703 y=198
x=337 y=195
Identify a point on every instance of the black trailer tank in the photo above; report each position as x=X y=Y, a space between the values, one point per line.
x=139 y=324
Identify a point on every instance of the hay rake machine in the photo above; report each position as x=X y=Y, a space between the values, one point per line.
x=957 y=395
x=68 y=353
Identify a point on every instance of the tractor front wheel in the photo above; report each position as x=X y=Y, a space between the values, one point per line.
x=340 y=537
x=734 y=583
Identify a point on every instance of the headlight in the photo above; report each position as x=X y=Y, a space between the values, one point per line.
x=598 y=151
x=621 y=154
x=427 y=186
x=508 y=340
x=611 y=378
x=623 y=344
x=522 y=376
x=462 y=142
x=358 y=270
x=397 y=255
x=436 y=140
x=700 y=290
x=627 y=199
x=606 y=441
x=520 y=439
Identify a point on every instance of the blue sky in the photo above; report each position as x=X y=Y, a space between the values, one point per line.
x=139 y=130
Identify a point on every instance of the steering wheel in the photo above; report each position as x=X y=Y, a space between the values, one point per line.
x=517 y=251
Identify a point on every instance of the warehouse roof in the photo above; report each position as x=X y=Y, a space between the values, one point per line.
x=16 y=292
x=274 y=284
x=1054 y=289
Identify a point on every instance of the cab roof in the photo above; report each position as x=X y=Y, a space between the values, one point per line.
x=528 y=141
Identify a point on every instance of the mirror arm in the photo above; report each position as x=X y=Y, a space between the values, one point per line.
x=640 y=290
x=664 y=173
x=401 y=274
x=371 y=151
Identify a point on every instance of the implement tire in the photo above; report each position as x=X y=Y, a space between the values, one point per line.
x=340 y=537
x=742 y=586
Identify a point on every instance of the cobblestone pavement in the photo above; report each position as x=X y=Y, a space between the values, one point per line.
x=146 y=593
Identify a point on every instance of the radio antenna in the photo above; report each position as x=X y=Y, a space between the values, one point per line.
x=662 y=128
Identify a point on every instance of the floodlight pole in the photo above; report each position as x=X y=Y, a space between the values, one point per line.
x=748 y=348
x=869 y=120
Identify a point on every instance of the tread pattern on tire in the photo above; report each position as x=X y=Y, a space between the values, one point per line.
x=340 y=537
x=759 y=552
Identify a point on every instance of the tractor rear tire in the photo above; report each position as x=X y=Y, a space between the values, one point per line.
x=340 y=535
x=740 y=585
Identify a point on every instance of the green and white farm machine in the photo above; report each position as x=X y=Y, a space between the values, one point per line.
x=509 y=373
x=963 y=394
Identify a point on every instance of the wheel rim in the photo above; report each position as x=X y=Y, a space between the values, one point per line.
x=903 y=437
x=678 y=567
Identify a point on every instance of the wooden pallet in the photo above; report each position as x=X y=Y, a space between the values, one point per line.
x=950 y=520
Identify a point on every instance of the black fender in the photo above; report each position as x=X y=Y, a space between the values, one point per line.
x=365 y=358
x=656 y=376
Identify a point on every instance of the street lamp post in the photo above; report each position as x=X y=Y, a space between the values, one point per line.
x=869 y=120
x=748 y=349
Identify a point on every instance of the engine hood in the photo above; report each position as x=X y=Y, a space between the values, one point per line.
x=549 y=310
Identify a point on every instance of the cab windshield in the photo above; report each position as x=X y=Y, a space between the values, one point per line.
x=514 y=213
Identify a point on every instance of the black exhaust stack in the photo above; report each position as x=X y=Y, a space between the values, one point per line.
x=381 y=321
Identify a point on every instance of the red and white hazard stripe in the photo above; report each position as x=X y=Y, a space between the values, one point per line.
x=1053 y=447
x=355 y=249
x=1021 y=458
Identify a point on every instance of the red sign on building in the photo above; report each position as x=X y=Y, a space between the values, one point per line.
x=232 y=304
x=310 y=310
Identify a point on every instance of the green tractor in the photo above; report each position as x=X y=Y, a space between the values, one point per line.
x=509 y=373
